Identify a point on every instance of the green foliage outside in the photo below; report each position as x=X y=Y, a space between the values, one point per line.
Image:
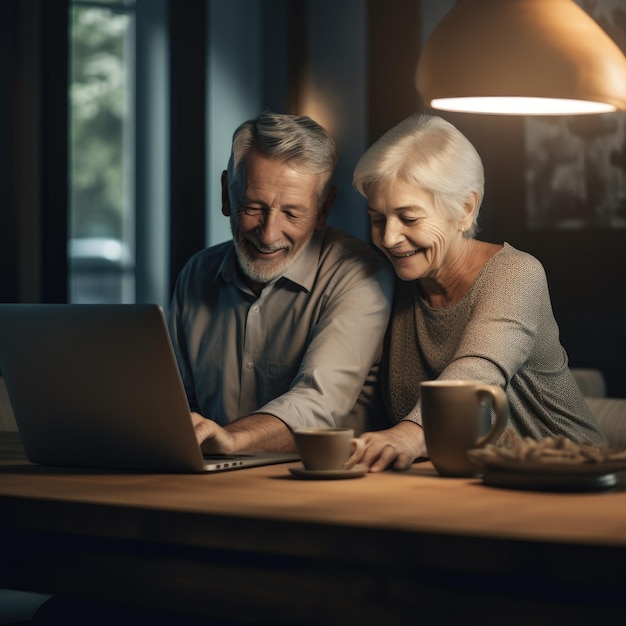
x=98 y=122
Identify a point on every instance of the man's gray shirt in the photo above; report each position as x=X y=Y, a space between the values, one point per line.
x=306 y=350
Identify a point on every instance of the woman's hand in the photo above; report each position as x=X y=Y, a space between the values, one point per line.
x=394 y=448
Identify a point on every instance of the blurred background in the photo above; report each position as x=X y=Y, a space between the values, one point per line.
x=115 y=125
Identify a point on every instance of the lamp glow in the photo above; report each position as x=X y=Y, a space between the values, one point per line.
x=521 y=57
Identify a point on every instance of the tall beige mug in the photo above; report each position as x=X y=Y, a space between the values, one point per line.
x=456 y=417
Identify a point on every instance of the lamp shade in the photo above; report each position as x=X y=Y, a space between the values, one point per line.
x=543 y=57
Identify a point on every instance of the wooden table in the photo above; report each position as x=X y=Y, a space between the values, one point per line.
x=260 y=545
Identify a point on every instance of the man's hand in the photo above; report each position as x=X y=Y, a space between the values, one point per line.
x=260 y=432
x=213 y=438
x=394 y=448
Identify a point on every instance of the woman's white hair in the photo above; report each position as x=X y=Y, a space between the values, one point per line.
x=432 y=154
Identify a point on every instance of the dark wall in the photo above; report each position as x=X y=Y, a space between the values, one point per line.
x=33 y=133
x=188 y=45
x=585 y=267
x=33 y=179
x=393 y=43
x=8 y=247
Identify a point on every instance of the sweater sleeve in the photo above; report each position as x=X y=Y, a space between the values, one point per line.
x=497 y=325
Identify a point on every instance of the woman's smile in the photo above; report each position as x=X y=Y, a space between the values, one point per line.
x=402 y=255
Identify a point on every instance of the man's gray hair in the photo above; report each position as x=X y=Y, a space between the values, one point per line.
x=294 y=139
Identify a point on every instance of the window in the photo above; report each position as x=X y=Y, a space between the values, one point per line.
x=101 y=221
x=119 y=147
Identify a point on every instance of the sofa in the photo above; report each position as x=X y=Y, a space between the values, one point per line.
x=7 y=421
x=610 y=413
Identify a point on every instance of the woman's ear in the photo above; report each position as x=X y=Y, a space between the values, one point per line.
x=225 y=196
x=324 y=211
x=470 y=207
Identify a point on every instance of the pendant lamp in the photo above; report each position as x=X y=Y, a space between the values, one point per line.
x=521 y=57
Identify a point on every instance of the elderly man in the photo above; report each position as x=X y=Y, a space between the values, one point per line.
x=282 y=327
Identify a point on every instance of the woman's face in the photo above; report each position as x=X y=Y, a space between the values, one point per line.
x=410 y=231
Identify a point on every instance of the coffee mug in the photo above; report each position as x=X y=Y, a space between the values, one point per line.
x=328 y=448
x=456 y=417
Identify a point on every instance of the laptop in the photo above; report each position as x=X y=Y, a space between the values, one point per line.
x=98 y=386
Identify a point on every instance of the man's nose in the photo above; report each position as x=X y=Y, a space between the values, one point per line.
x=270 y=227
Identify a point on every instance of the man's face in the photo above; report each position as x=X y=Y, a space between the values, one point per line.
x=275 y=216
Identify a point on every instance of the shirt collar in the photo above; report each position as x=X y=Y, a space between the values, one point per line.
x=228 y=266
x=303 y=271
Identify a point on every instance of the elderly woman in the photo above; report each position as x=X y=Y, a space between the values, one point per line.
x=463 y=308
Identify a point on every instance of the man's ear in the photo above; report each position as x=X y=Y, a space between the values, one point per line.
x=225 y=196
x=324 y=211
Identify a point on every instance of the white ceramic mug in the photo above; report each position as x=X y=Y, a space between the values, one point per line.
x=328 y=448
x=456 y=416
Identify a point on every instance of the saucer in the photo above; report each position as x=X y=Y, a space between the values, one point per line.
x=302 y=472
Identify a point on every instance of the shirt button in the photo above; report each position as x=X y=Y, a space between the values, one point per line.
x=256 y=308
x=249 y=365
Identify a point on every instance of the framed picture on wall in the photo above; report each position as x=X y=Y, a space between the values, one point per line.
x=575 y=174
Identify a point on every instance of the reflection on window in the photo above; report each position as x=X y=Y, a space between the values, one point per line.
x=101 y=221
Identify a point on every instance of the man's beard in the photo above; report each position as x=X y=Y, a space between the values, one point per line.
x=266 y=271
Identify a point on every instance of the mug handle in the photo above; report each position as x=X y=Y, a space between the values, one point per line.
x=501 y=406
x=358 y=450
